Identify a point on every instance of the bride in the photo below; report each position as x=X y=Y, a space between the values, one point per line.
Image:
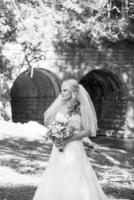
x=69 y=174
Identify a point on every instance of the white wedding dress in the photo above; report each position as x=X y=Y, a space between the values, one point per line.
x=69 y=174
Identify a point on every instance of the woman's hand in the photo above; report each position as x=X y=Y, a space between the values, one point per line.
x=91 y=145
x=59 y=143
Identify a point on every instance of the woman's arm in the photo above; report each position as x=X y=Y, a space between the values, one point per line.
x=82 y=134
x=79 y=136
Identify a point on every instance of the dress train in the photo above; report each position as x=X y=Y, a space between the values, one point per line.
x=69 y=176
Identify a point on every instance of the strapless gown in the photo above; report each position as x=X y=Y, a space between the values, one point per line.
x=69 y=175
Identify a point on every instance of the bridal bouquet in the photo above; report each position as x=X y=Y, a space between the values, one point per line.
x=60 y=130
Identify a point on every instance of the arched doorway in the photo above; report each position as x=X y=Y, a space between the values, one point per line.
x=108 y=94
x=31 y=96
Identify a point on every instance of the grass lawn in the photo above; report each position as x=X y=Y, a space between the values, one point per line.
x=23 y=161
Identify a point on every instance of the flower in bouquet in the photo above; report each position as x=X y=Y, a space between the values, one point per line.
x=59 y=131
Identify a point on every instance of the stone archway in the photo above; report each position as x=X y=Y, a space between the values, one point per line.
x=31 y=96
x=108 y=93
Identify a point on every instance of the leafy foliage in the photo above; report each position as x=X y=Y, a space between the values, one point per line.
x=8 y=22
x=83 y=24
x=8 y=33
x=8 y=28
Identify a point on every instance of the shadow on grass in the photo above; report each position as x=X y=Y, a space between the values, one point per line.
x=24 y=156
x=120 y=193
x=17 y=193
x=30 y=157
x=27 y=193
x=112 y=152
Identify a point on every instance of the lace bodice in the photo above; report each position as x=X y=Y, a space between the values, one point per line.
x=74 y=120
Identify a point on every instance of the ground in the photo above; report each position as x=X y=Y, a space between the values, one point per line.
x=23 y=160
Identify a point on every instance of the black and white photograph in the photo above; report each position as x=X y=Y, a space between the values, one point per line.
x=67 y=100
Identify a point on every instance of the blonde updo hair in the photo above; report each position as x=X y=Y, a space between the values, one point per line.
x=74 y=87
